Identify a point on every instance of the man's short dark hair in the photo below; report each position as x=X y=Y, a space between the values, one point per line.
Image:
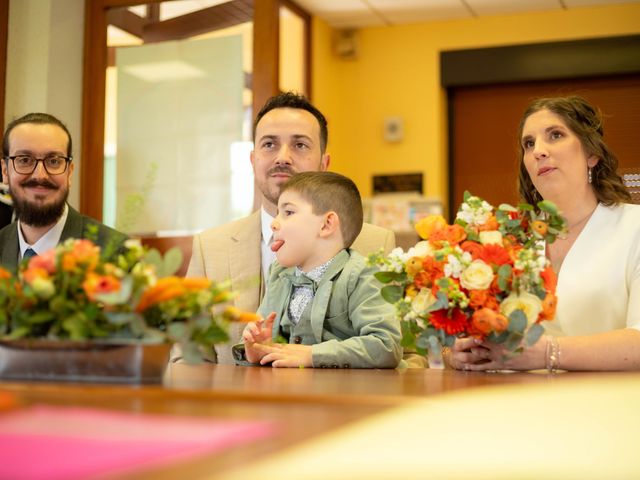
x=295 y=100
x=39 y=119
x=328 y=191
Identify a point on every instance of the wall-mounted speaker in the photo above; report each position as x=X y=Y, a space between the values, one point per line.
x=345 y=44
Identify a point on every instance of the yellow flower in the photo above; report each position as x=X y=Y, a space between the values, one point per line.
x=43 y=287
x=529 y=303
x=492 y=237
x=426 y=226
x=413 y=266
x=477 y=276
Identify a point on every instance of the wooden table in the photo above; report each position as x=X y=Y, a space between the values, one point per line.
x=304 y=403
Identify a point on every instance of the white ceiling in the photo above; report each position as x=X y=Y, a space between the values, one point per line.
x=368 y=13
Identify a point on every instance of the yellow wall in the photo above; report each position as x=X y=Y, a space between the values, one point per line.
x=397 y=73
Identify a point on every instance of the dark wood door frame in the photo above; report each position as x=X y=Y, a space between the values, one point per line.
x=534 y=62
x=4 y=37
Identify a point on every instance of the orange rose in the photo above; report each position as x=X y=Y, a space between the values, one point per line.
x=500 y=323
x=483 y=320
x=454 y=234
x=550 y=279
x=548 y=307
x=427 y=225
x=473 y=248
x=4 y=274
x=477 y=298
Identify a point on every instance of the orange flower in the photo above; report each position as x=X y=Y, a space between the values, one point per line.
x=427 y=225
x=4 y=274
x=85 y=252
x=550 y=279
x=495 y=255
x=483 y=320
x=33 y=273
x=237 y=315
x=490 y=224
x=548 y=307
x=473 y=248
x=195 y=284
x=454 y=234
x=477 y=298
x=539 y=226
x=68 y=262
x=452 y=323
x=46 y=261
x=165 y=289
x=94 y=285
x=414 y=265
x=500 y=323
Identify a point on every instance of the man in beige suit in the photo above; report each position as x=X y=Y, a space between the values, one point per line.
x=290 y=136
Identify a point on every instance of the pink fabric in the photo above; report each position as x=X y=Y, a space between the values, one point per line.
x=73 y=443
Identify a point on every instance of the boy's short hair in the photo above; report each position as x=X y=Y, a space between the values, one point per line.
x=328 y=191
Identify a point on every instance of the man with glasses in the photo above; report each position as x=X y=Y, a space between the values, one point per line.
x=290 y=136
x=37 y=168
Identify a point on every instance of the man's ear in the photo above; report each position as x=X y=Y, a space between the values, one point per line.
x=5 y=173
x=330 y=224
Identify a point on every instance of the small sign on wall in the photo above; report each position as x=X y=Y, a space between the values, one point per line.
x=406 y=182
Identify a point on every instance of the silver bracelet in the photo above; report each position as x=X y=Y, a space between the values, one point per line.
x=553 y=354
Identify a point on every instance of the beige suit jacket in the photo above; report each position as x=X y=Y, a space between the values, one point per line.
x=232 y=251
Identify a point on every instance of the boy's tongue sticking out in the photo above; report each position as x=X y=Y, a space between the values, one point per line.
x=275 y=246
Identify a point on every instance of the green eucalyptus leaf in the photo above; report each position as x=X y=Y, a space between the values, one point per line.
x=392 y=293
x=498 y=338
x=505 y=207
x=549 y=207
x=172 y=261
x=533 y=334
x=517 y=321
x=512 y=342
x=386 y=277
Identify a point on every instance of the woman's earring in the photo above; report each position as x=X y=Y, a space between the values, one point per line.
x=590 y=177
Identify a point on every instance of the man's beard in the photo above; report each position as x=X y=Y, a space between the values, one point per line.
x=39 y=215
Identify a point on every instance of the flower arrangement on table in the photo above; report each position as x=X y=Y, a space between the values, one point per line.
x=71 y=293
x=485 y=276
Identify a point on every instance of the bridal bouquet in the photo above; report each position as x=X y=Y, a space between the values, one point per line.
x=71 y=293
x=485 y=276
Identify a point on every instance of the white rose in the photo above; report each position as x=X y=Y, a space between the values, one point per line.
x=492 y=237
x=422 y=301
x=529 y=303
x=421 y=249
x=477 y=276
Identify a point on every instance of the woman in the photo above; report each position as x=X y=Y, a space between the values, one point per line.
x=563 y=158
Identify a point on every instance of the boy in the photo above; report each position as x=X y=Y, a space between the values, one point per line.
x=321 y=296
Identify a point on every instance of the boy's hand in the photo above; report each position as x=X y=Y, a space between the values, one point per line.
x=286 y=355
x=255 y=334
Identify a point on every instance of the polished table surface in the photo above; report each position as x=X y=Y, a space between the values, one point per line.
x=303 y=403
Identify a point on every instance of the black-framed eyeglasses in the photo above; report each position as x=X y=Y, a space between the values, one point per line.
x=27 y=164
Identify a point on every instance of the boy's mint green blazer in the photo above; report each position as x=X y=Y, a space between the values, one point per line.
x=352 y=325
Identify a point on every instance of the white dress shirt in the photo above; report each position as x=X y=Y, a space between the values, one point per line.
x=267 y=256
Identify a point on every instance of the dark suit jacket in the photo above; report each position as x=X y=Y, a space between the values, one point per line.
x=76 y=226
